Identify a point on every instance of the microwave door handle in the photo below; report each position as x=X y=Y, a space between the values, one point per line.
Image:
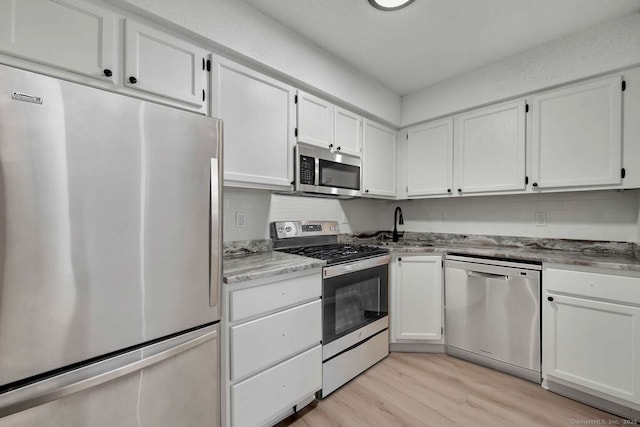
x=317 y=174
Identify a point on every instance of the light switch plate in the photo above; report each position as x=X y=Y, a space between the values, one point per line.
x=541 y=219
x=241 y=219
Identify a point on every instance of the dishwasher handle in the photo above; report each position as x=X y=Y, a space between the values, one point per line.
x=471 y=273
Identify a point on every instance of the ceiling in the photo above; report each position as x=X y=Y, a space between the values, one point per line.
x=433 y=40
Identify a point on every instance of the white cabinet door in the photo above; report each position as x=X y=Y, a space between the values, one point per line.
x=161 y=64
x=490 y=149
x=347 y=135
x=416 y=311
x=315 y=120
x=378 y=160
x=70 y=34
x=576 y=135
x=430 y=159
x=259 y=117
x=591 y=331
x=593 y=344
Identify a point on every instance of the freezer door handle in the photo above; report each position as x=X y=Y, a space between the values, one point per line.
x=215 y=263
x=486 y=275
x=58 y=387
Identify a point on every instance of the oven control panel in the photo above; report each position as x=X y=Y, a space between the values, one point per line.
x=286 y=229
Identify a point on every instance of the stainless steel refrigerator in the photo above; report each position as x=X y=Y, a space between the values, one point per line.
x=109 y=258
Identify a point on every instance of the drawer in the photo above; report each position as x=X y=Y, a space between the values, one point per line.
x=261 y=397
x=261 y=342
x=623 y=289
x=249 y=302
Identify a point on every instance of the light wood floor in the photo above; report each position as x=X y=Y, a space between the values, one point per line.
x=413 y=389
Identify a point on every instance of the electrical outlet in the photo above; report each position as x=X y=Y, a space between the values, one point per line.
x=541 y=219
x=241 y=219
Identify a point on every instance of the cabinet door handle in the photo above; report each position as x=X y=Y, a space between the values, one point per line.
x=535 y=184
x=338 y=148
x=448 y=190
x=133 y=80
x=399 y=259
x=366 y=191
x=549 y=298
x=459 y=190
x=330 y=145
x=108 y=72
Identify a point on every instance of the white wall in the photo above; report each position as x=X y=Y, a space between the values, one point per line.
x=239 y=30
x=261 y=208
x=591 y=215
x=603 y=48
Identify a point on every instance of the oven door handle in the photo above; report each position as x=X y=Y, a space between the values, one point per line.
x=337 y=270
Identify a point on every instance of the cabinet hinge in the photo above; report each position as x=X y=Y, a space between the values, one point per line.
x=441 y=330
x=295 y=132
x=407 y=188
x=208 y=65
x=526 y=180
x=295 y=99
x=442 y=263
x=203 y=96
x=623 y=173
x=624 y=85
x=526 y=108
x=407 y=137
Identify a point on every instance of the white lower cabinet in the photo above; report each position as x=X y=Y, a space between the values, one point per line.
x=591 y=332
x=416 y=299
x=272 y=352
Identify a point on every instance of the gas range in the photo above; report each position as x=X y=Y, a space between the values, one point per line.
x=337 y=253
x=318 y=239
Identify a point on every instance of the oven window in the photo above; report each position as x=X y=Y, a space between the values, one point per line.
x=353 y=300
x=339 y=175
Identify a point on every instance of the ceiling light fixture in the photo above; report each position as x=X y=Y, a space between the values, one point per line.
x=390 y=4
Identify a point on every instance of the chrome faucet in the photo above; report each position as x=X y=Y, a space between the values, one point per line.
x=396 y=223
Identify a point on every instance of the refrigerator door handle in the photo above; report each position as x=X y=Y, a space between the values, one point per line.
x=215 y=268
x=38 y=393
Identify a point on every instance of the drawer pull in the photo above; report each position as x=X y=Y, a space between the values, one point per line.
x=549 y=298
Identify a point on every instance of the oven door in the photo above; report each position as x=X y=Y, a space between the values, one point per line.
x=353 y=296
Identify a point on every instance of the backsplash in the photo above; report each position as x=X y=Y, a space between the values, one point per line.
x=589 y=215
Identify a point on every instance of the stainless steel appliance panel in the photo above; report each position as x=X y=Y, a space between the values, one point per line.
x=156 y=385
x=494 y=311
x=323 y=172
x=104 y=206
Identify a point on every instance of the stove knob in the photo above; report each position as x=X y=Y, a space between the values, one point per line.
x=280 y=229
x=287 y=229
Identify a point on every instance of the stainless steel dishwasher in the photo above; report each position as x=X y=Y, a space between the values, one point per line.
x=492 y=313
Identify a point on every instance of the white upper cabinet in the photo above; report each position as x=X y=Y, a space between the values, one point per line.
x=576 y=135
x=416 y=292
x=378 y=160
x=69 y=34
x=315 y=120
x=160 y=64
x=430 y=159
x=490 y=149
x=259 y=116
x=347 y=135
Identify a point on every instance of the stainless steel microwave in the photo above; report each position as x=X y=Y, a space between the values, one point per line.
x=323 y=172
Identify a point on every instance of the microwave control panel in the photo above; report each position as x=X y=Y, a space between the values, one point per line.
x=307 y=170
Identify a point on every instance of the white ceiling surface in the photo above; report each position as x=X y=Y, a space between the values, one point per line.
x=433 y=40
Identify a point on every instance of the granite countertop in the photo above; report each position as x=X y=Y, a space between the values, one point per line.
x=242 y=267
x=616 y=261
